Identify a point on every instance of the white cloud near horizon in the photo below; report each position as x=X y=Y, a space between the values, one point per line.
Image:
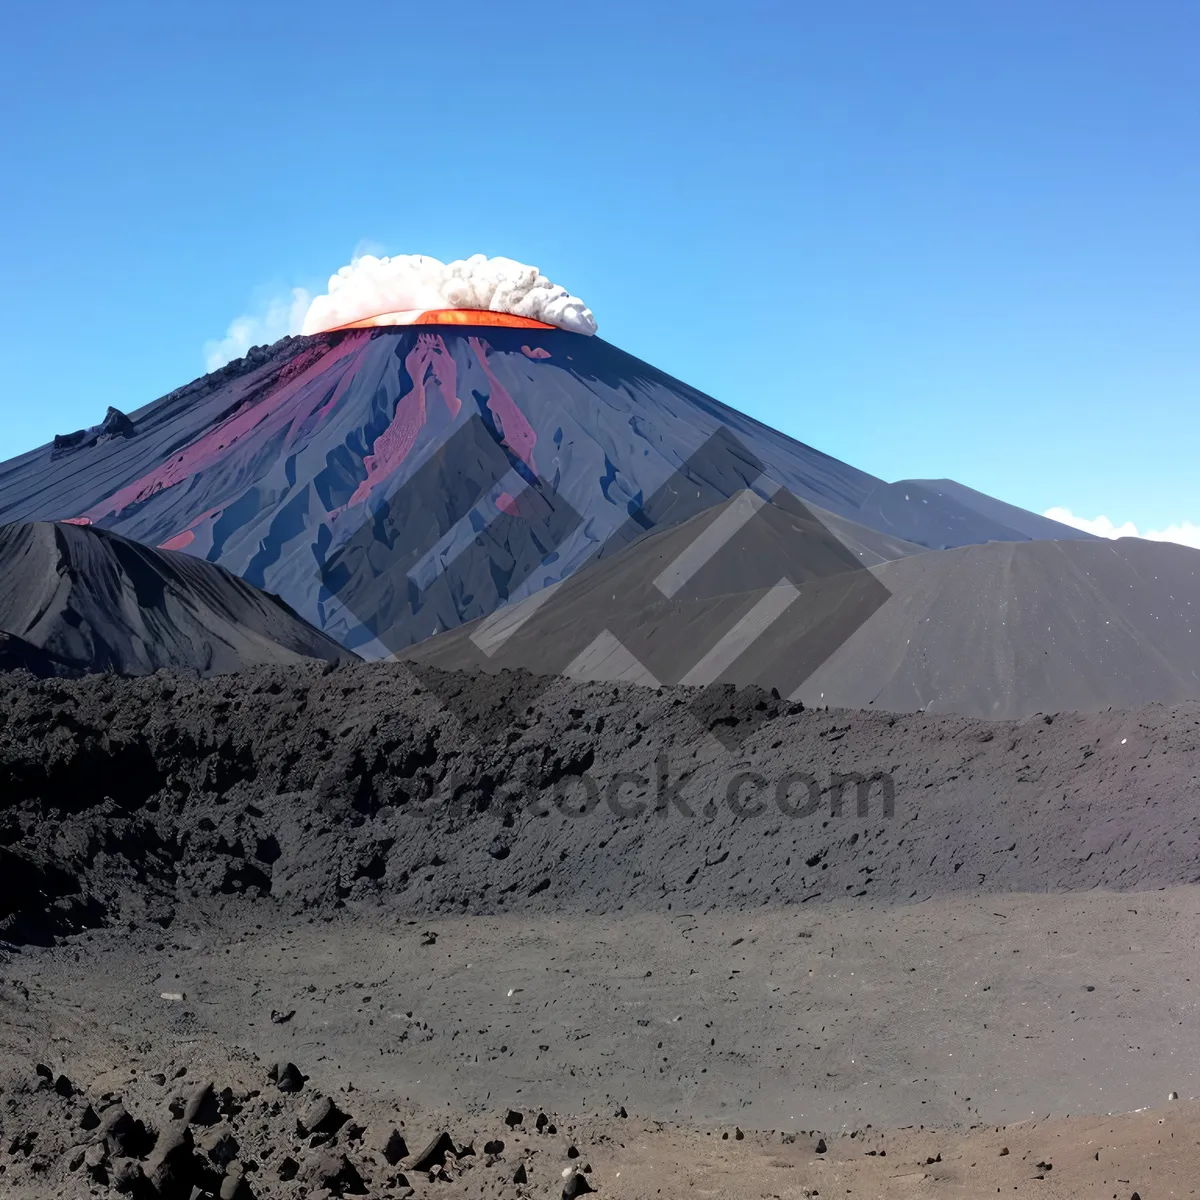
x=1185 y=533
x=278 y=317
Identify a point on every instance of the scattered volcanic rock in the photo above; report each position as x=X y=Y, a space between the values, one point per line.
x=201 y=1107
x=321 y=1116
x=122 y=1134
x=115 y=425
x=576 y=1185
x=173 y=1168
x=337 y=1173
x=387 y=1140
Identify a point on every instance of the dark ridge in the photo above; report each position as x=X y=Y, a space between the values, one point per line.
x=75 y=599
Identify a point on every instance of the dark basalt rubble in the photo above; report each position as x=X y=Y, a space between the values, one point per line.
x=169 y=1138
x=314 y=787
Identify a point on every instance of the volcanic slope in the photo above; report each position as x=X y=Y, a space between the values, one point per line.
x=75 y=600
x=1007 y=630
x=16 y=654
x=391 y=484
x=1000 y=631
x=684 y=605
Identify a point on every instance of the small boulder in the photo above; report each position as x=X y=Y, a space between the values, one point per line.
x=173 y=1169
x=126 y=1176
x=96 y=1161
x=219 y=1146
x=235 y=1187
x=434 y=1155
x=338 y=1174
x=388 y=1141
x=321 y=1116
x=201 y=1107
x=116 y=424
x=122 y=1134
x=576 y=1185
x=286 y=1077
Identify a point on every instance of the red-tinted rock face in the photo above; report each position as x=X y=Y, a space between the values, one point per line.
x=393 y=483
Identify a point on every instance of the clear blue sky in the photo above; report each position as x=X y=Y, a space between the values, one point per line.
x=929 y=238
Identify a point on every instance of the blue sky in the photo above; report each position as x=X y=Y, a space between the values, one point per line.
x=928 y=238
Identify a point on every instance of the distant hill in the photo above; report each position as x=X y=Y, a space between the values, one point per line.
x=1002 y=630
x=75 y=600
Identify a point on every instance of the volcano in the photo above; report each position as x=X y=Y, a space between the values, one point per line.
x=393 y=483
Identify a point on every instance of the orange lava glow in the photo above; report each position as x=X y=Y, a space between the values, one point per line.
x=446 y=316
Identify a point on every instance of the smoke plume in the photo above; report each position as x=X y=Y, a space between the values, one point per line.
x=369 y=287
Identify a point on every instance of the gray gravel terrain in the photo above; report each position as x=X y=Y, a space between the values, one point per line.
x=381 y=874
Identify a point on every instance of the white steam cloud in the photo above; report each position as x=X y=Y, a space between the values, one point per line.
x=370 y=287
x=279 y=317
x=1184 y=534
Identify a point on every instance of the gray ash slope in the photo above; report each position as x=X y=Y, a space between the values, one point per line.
x=1002 y=631
x=126 y=798
x=1006 y=630
x=634 y=616
x=74 y=600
